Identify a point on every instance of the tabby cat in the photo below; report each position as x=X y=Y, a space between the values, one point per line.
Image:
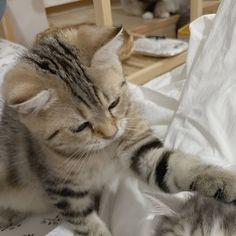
x=69 y=126
x=192 y=215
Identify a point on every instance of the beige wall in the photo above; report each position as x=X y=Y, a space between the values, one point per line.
x=28 y=18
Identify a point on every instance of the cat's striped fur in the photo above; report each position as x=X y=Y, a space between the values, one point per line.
x=192 y=215
x=69 y=126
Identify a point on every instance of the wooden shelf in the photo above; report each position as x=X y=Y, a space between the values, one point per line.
x=166 y=27
x=140 y=69
x=53 y=3
x=210 y=7
x=137 y=69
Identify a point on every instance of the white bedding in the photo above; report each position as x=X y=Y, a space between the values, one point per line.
x=202 y=124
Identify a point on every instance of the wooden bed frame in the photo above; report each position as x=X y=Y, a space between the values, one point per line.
x=6 y=26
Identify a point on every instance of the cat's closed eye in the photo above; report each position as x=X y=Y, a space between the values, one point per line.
x=114 y=104
x=81 y=127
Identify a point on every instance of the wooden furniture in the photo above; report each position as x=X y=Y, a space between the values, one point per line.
x=140 y=69
x=196 y=9
x=102 y=10
x=137 y=69
x=6 y=30
x=82 y=13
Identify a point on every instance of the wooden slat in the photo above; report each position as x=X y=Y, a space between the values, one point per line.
x=196 y=9
x=161 y=66
x=128 y=70
x=7 y=26
x=210 y=7
x=140 y=61
x=103 y=12
x=53 y=3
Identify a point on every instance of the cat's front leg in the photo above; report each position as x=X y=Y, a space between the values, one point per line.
x=188 y=172
x=78 y=209
x=175 y=171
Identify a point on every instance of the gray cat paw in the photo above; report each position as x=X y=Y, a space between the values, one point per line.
x=164 y=14
x=97 y=230
x=148 y=15
x=216 y=183
x=101 y=230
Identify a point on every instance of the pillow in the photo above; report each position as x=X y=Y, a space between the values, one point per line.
x=205 y=121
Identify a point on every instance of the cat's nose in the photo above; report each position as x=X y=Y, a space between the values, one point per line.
x=110 y=135
x=107 y=131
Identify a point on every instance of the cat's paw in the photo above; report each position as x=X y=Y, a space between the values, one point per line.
x=219 y=184
x=101 y=230
x=148 y=15
x=94 y=230
x=164 y=14
x=10 y=218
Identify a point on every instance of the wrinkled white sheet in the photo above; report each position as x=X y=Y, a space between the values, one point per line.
x=205 y=123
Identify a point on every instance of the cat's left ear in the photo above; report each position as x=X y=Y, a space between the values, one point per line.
x=158 y=207
x=121 y=46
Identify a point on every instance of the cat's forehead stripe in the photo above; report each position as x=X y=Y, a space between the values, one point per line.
x=56 y=57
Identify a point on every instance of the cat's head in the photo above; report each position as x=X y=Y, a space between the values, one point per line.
x=69 y=89
x=191 y=214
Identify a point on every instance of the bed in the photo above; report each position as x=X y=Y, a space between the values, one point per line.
x=191 y=108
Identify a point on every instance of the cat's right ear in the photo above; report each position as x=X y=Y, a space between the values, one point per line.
x=25 y=93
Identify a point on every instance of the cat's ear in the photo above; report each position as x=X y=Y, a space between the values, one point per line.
x=39 y=102
x=158 y=207
x=119 y=46
x=24 y=92
x=167 y=205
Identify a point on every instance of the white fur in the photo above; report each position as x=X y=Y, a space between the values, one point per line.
x=148 y=15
